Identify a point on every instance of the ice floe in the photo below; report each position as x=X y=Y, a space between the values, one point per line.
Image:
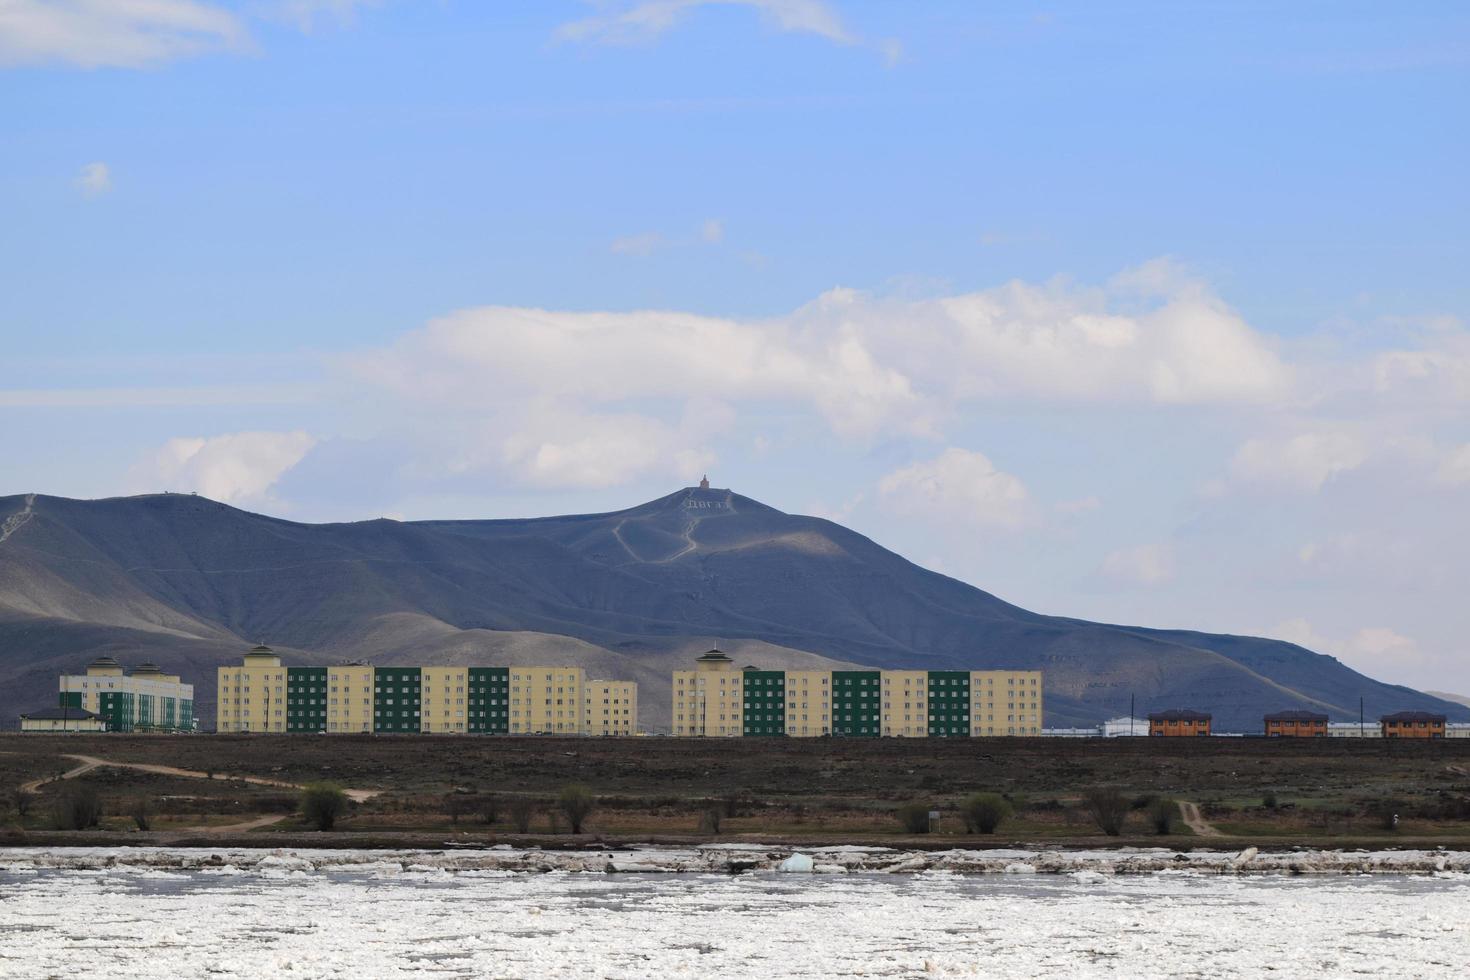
x=242 y=913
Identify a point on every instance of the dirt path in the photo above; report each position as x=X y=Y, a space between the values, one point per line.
x=36 y=784
x=234 y=828
x=1195 y=822
x=17 y=520
x=90 y=762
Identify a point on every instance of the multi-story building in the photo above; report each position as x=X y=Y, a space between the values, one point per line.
x=252 y=696
x=1177 y=722
x=1413 y=724
x=715 y=699
x=261 y=695
x=710 y=699
x=1296 y=724
x=143 y=699
x=612 y=708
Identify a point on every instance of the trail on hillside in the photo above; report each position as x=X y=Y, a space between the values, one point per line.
x=1196 y=822
x=18 y=520
x=688 y=533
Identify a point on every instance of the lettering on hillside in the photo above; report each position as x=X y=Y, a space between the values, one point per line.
x=692 y=504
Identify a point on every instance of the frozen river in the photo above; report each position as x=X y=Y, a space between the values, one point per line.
x=385 y=921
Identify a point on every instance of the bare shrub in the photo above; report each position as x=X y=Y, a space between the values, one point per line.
x=1162 y=815
x=1108 y=808
x=23 y=801
x=576 y=803
x=78 y=808
x=913 y=817
x=322 y=803
x=522 y=810
x=984 y=812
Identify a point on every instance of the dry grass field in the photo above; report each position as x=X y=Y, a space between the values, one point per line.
x=1277 y=792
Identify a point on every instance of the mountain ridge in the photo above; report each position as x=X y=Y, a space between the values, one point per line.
x=188 y=581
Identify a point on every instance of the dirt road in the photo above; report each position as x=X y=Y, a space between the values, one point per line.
x=90 y=762
x=1195 y=821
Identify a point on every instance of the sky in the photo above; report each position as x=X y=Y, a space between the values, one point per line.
x=1140 y=312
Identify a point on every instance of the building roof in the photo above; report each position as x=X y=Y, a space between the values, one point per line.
x=1179 y=714
x=62 y=713
x=104 y=662
x=1415 y=716
x=715 y=656
x=148 y=668
x=261 y=648
x=1296 y=716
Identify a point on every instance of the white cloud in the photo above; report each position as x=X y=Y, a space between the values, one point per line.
x=959 y=486
x=559 y=449
x=239 y=468
x=712 y=231
x=1437 y=373
x=1373 y=650
x=1304 y=462
x=632 y=21
x=1454 y=467
x=1144 y=564
x=892 y=50
x=113 y=33
x=477 y=361
x=868 y=368
x=642 y=244
x=94 y=179
x=1068 y=345
x=306 y=14
x=1084 y=505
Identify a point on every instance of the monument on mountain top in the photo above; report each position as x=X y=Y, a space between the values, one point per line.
x=704 y=482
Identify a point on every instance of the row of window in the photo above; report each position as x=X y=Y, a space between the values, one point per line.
x=862 y=682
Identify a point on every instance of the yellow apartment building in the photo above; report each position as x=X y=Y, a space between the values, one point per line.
x=612 y=708
x=547 y=700
x=252 y=694
x=445 y=700
x=905 y=703
x=709 y=699
x=1005 y=702
x=350 y=698
x=808 y=703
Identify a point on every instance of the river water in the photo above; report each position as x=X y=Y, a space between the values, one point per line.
x=386 y=922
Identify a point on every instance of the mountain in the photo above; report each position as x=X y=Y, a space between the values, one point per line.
x=1456 y=698
x=190 y=583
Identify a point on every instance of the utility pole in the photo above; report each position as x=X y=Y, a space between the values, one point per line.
x=1130 y=713
x=1362 y=729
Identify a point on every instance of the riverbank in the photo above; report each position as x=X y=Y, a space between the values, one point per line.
x=738 y=859
x=421 y=790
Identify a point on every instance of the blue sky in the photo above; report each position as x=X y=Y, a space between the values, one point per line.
x=1143 y=312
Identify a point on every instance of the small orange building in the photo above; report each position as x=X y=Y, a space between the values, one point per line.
x=1179 y=722
x=1413 y=724
x=1296 y=724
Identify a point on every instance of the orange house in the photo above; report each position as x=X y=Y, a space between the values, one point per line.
x=1296 y=724
x=1179 y=722
x=1413 y=724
